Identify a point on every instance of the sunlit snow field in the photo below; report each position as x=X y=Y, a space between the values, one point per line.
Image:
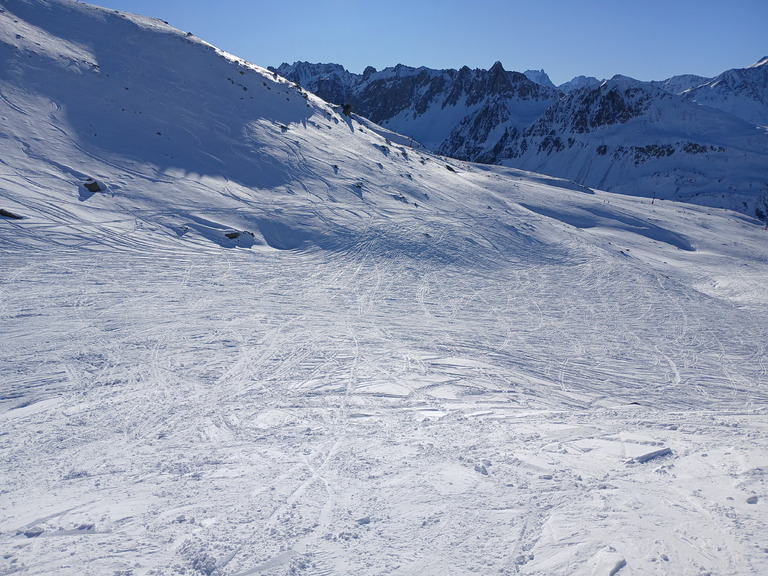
x=401 y=364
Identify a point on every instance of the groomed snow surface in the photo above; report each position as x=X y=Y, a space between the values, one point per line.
x=274 y=342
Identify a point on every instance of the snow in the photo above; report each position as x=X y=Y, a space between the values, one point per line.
x=579 y=82
x=702 y=155
x=393 y=368
x=740 y=92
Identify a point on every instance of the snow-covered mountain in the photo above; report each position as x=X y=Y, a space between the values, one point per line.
x=681 y=83
x=539 y=77
x=741 y=92
x=693 y=153
x=458 y=113
x=243 y=332
x=580 y=82
x=631 y=137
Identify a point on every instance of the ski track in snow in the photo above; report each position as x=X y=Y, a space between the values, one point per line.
x=276 y=414
x=303 y=349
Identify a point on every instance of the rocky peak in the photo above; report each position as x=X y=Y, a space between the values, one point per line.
x=368 y=72
x=498 y=80
x=539 y=77
x=403 y=70
x=615 y=101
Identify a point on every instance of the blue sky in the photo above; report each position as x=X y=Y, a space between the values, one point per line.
x=648 y=40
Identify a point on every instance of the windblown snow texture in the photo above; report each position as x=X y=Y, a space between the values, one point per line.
x=246 y=333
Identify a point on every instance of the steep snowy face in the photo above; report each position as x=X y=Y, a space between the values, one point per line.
x=202 y=131
x=159 y=95
x=742 y=92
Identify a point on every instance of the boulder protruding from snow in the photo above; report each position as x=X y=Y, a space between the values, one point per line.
x=6 y=214
x=92 y=185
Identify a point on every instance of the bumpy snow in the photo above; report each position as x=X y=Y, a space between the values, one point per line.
x=243 y=333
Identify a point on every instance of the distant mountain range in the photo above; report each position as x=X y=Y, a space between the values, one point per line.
x=702 y=140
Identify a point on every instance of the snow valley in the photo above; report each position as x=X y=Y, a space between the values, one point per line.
x=244 y=332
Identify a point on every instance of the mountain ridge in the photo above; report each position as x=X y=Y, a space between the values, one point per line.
x=479 y=115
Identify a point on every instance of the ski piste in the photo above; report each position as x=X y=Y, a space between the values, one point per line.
x=278 y=340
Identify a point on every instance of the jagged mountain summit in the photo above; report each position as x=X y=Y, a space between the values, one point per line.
x=540 y=77
x=458 y=113
x=689 y=138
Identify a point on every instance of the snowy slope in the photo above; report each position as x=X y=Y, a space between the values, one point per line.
x=275 y=341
